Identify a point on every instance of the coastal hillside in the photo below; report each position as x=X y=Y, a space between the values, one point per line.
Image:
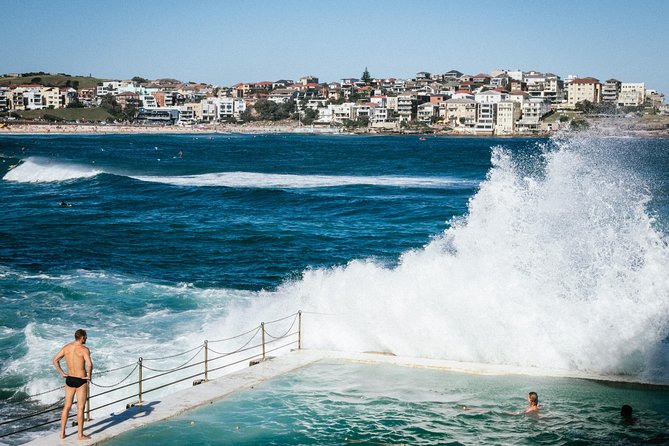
x=61 y=80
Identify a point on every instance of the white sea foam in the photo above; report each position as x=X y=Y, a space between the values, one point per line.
x=37 y=170
x=559 y=266
x=289 y=181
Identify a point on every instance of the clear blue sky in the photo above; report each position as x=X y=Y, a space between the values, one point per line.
x=229 y=41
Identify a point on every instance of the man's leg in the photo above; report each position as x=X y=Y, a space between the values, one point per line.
x=69 y=397
x=81 y=405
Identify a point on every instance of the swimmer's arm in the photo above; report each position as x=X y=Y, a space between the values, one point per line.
x=89 y=363
x=56 y=363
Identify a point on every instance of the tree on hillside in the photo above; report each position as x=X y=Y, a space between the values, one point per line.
x=140 y=80
x=310 y=116
x=366 y=78
x=271 y=111
x=113 y=108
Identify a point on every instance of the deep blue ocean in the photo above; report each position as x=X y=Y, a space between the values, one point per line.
x=535 y=252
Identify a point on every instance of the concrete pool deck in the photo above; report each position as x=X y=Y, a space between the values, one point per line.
x=107 y=426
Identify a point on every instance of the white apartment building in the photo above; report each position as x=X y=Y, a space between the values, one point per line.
x=533 y=110
x=229 y=107
x=341 y=112
x=427 y=112
x=210 y=109
x=632 y=94
x=508 y=113
x=148 y=101
x=491 y=97
x=27 y=98
x=460 y=113
x=486 y=116
x=379 y=114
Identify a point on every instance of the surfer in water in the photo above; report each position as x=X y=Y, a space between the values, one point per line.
x=79 y=368
x=64 y=204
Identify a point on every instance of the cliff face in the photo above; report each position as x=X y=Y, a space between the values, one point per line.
x=647 y=125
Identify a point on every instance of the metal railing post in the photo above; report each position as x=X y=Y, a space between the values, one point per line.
x=206 y=360
x=262 y=326
x=140 y=380
x=299 y=330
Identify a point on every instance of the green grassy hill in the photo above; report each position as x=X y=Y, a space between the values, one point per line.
x=67 y=114
x=52 y=80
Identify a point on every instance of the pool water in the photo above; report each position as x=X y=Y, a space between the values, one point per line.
x=342 y=403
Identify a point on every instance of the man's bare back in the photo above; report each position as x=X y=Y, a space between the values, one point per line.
x=76 y=356
x=79 y=369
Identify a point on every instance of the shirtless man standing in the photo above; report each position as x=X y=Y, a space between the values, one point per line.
x=79 y=369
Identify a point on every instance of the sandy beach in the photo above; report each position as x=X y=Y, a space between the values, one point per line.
x=256 y=127
x=656 y=126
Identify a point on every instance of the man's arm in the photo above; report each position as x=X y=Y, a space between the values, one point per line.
x=89 y=363
x=56 y=363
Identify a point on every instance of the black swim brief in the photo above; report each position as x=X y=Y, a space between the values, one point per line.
x=73 y=381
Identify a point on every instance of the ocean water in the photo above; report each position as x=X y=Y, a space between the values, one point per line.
x=540 y=252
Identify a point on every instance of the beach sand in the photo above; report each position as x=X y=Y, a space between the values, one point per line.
x=255 y=127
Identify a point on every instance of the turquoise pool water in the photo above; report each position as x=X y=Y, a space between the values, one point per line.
x=342 y=403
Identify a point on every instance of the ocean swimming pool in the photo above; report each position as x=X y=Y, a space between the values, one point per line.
x=340 y=402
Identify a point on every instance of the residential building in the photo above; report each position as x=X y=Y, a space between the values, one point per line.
x=209 y=109
x=226 y=108
x=460 y=113
x=423 y=76
x=306 y=80
x=481 y=79
x=500 y=81
x=427 y=112
x=27 y=97
x=407 y=107
x=584 y=89
x=533 y=110
x=380 y=100
x=342 y=112
x=491 y=96
x=128 y=99
x=519 y=96
x=546 y=86
x=4 y=101
x=508 y=113
x=632 y=94
x=188 y=113
x=610 y=91
x=654 y=99
x=148 y=101
x=50 y=97
x=157 y=115
x=379 y=114
x=486 y=116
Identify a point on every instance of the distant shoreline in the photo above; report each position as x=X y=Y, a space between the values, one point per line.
x=659 y=127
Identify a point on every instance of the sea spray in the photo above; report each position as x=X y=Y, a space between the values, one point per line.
x=557 y=264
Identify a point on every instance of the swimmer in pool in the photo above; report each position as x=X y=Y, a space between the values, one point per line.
x=533 y=400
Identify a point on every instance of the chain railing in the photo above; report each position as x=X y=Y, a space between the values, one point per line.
x=209 y=363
